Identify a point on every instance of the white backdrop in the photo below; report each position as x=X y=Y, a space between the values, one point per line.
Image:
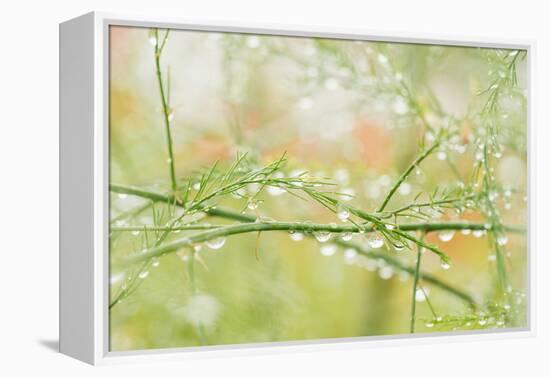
x=29 y=183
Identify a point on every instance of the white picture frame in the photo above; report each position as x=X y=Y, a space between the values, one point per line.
x=84 y=188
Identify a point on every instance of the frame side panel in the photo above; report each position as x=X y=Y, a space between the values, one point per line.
x=76 y=188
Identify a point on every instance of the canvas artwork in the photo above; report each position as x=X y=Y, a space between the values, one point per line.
x=270 y=188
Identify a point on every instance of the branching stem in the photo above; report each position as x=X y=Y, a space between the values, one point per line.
x=406 y=173
x=165 y=109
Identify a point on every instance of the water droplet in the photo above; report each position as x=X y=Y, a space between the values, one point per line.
x=479 y=156
x=197 y=247
x=350 y=255
x=445 y=265
x=322 y=236
x=346 y=236
x=375 y=240
x=152 y=40
x=122 y=196
x=382 y=59
x=252 y=205
x=492 y=258
x=348 y=194
x=390 y=226
x=238 y=194
x=135 y=232
x=201 y=311
x=143 y=274
x=170 y=116
x=502 y=239
x=429 y=324
x=399 y=247
x=216 y=243
x=466 y=231
x=442 y=155
x=331 y=83
x=253 y=42
x=400 y=106
x=296 y=236
x=478 y=233
x=446 y=235
x=420 y=295
x=341 y=176
x=342 y=214
x=482 y=321
x=305 y=103
x=275 y=190
x=168 y=160
x=404 y=189
x=155 y=262
x=385 y=273
x=328 y=250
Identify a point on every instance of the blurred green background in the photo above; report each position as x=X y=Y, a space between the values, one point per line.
x=336 y=109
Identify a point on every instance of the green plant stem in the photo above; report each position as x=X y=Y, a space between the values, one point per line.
x=312 y=227
x=231 y=215
x=415 y=284
x=228 y=214
x=165 y=111
x=405 y=174
x=429 y=204
x=254 y=227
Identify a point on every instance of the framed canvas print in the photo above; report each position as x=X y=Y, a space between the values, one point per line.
x=235 y=189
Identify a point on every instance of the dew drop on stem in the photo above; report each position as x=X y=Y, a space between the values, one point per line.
x=296 y=236
x=478 y=233
x=346 y=236
x=216 y=243
x=275 y=190
x=446 y=235
x=502 y=239
x=322 y=236
x=375 y=240
x=143 y=274
x=342 y=214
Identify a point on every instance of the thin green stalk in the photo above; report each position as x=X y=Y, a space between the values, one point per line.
x=312 y=227
x=405 y=174
x=165 y=109
x=244 y=218
x=254 y=227
x=438 y=203
x=415 y=284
